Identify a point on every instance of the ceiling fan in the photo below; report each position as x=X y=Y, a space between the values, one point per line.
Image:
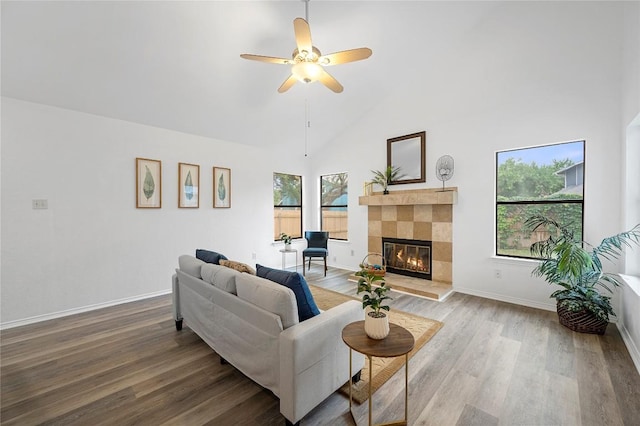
x=307 y=63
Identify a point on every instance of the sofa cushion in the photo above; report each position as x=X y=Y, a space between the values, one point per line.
x=270 y=296
x=190 y=265
x=304 y=299
x=209 y=256
x=238 y=266
x=220 y=276
x=315 y=252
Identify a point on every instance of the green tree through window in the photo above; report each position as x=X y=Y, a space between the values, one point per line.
x=334 y=197
x=545 y=180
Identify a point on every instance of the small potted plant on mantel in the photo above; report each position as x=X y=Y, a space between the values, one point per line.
x=385 y=178
x=566 y=262
x=287 y=240
x=376 y=321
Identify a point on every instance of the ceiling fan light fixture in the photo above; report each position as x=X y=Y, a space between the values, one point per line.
x=306 y=72
x=305 y=55
x=307 y=63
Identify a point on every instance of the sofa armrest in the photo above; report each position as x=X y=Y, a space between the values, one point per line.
x=314 y=361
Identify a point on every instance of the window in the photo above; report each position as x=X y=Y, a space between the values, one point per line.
x=546 y=180
x=287 y=205
x=334 y=205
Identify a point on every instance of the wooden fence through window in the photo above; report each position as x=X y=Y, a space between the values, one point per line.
x=288 y=221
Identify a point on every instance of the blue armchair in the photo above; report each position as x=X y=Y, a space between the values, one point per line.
x=316 y=247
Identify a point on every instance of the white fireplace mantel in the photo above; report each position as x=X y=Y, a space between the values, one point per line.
x=411 y=197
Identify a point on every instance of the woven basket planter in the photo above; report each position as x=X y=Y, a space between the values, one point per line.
x=582 y=321
x=374 y=264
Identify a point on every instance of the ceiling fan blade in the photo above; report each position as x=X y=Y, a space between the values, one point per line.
x=287 y=84
x=345 y=56
x=303 y=35
x=269 y=59
x=328 y=80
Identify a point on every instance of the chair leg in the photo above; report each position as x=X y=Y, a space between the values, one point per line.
x=325 y=266
x=303 y=271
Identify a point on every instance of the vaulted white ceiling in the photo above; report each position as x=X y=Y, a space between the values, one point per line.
x=176 y=65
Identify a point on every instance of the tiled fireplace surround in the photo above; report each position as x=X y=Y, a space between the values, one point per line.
x=415 y=215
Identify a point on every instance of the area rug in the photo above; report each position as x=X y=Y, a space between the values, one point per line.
x=421 y=328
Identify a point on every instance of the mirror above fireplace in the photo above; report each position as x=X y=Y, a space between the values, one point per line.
x=408 y=153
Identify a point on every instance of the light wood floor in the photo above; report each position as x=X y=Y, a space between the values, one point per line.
x=492 y=363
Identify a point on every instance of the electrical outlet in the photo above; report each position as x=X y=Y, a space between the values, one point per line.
x=253 y=256
x=39 y=204
x=334 y=258
x=353 y=252
x=497 y=273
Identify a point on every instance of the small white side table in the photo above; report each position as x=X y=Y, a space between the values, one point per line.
x=284 y=254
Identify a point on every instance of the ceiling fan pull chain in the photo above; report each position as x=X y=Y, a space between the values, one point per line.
x=306 y=10
x=307 y=124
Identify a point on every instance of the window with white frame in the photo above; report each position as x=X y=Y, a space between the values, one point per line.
x=544 y=180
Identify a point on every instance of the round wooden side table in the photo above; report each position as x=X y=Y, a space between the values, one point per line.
x=399 y=342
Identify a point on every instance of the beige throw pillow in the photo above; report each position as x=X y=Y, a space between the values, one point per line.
x=238 y=266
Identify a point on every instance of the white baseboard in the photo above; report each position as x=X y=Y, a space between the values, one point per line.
x=632 y=302
x=630 y=344
x=60 y=314
x=508 y=299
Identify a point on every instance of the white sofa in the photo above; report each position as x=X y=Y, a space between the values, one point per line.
x=252 y=323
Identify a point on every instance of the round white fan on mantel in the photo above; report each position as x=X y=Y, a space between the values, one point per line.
x=444 y=169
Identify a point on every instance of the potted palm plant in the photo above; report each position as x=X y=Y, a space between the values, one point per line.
x=576 y=266
x=376 y=321
x=385 y=178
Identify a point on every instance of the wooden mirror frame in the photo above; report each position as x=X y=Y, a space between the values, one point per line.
x=412 y=159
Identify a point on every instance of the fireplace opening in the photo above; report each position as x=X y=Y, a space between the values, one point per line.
x=408 y=257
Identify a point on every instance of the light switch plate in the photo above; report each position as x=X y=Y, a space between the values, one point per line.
x=40 y=204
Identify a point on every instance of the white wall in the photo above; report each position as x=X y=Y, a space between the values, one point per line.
x=629 y=318
x=92 y=246
x=631 y=62
x=528 y=74
x=631 y=124
x=629 y=315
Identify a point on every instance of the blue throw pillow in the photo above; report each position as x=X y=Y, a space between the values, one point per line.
x=210 y=256
x=306 y=305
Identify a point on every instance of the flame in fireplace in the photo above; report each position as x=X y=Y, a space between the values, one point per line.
x=411 y=262
x=416 y=263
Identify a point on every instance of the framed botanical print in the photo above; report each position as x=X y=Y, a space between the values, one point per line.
x=221 y=187
x=148 y=183
x=188 y=185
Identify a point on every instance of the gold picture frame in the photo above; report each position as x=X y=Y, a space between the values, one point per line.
x=188 y=186
x=148 y=183
x=221 y=188
x=367 y=188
